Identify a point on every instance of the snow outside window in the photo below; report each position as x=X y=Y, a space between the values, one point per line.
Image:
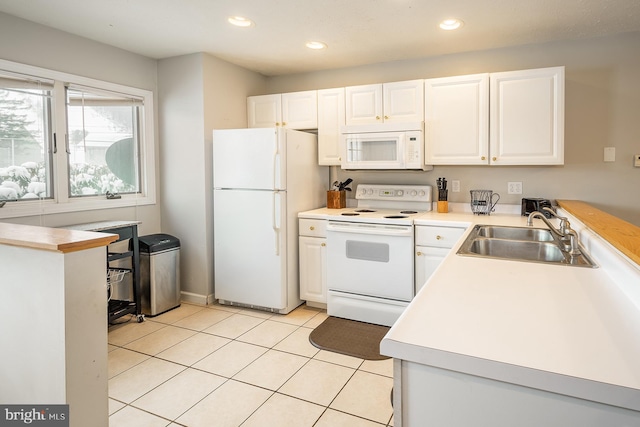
x=104 y=142
x=25 y=136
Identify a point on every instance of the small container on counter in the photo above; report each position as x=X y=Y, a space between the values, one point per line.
x=336 y=199
x=337 y=196
x=443 y=203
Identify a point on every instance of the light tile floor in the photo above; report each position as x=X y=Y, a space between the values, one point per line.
x=220 y=366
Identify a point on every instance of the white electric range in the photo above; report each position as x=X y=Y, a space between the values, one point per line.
x=370 y=262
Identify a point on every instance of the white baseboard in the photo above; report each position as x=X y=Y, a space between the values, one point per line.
x=195 y=298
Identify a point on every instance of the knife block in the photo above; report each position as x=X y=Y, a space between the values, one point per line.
x=336 y=199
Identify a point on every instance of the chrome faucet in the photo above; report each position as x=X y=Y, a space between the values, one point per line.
x=564 y=222
x=568 y=236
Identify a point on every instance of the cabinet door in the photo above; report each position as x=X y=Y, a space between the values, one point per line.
x=527 y=117
x=363 y=104
x=403 y=101
x=264 y=111
x=313 y=269
x=330 y=120
x=427 y=259
x=457 y=120
x=300 y=110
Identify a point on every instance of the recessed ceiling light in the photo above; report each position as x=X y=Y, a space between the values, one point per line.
x=316 y=45
x=451 y=24
x=240 y=21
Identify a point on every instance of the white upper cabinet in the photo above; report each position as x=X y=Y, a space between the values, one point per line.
x=403 y=101
x=264 y=111
x=331 y=118
x=521 y=112
x=300 y=110
x=527 y=117
x=457 y=120
x=363 y=104
x=295 y=110
x=385 y=103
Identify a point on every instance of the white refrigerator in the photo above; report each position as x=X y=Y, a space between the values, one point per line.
x=262 y=178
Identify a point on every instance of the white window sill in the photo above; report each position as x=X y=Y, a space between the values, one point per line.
x=48 y=207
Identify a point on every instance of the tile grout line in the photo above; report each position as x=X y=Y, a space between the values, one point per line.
x=297 y=325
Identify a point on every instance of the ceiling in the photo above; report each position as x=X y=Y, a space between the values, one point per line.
x=357 y=32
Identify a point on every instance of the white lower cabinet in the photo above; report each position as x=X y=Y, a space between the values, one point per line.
x=431 y=247
x=430 y=396
x=312 y=249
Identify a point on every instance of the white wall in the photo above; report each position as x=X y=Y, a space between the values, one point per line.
x=181 y=165
x=45 y=47
x=197 y=93
x=602 y=110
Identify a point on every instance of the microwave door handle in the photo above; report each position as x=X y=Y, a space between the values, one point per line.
x=402 y=155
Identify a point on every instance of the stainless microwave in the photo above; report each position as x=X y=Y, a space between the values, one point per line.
x=383 y=146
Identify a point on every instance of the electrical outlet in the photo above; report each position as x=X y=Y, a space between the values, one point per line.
x=455 y=186
x=514 y=187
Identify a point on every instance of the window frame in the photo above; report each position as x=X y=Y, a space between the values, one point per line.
x=62 y=202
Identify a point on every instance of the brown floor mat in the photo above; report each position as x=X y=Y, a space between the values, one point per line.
x=357 y=339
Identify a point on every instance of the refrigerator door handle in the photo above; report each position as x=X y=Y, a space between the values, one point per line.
x=276 y=164
x=275 y=169
x=274 y=224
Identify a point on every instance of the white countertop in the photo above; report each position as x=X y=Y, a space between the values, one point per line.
x=564 y=329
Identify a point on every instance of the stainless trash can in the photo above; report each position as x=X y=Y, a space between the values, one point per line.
x=159 y=273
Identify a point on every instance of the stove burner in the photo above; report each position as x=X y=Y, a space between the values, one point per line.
x=350 y=214
x=395 y=216
x=365 y=210
x=408 y=212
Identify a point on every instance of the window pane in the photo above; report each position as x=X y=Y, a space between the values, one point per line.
x=25 y=160
x=103 y=142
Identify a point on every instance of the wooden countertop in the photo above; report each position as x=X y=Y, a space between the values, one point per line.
x=621 y=234
x=52 y=239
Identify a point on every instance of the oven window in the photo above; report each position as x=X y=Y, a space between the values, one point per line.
x=367 y=251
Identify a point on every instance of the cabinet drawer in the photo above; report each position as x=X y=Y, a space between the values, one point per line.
x=440 y=237
x=312 y=227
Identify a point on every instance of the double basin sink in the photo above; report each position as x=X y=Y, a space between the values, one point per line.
x=520 y=244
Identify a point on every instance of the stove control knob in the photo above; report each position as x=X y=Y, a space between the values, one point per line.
x=414 y=193
x=421 y=193
x=370 y=191
x=400 y=193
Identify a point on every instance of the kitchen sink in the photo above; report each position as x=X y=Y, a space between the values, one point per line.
x=515 y=233
x=517 y=249
x=520 y=244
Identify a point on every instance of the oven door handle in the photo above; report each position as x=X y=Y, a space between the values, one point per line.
x=377 y=229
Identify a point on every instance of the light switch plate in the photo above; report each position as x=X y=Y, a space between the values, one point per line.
x=609 y=154
x=636 y=160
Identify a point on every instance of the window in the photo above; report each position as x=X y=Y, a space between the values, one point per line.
x=25 y=129
x=104 y=142
x=72 y=143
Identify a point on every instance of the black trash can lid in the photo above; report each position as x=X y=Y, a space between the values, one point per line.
x=158 y=242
